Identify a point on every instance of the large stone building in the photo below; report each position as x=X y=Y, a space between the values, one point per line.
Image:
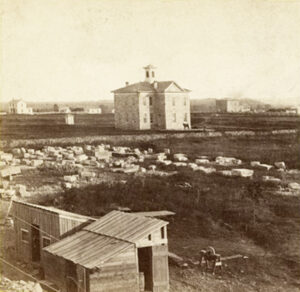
x=228 y=106
x=152 y=104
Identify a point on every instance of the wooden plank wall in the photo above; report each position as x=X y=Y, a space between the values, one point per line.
x=49 y=222
x=54 y=270
x=156 y=238
x=160 y=268
x=118 y=274
x=26 y=215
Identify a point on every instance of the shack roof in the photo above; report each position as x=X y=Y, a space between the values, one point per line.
x=50 y=209
x=125 y=226
x=104 y=238
x=88 y=249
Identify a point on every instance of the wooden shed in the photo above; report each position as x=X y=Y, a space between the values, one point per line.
x=38 y=226
x=118 y=252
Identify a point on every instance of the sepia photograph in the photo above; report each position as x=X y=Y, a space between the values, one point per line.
x=150 y=146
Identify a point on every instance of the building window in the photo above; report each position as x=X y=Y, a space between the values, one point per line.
x=149 y=237
x=24 y=235
x=162 y=232
x=153 y=74
x=173 y=101
x=185 y=117
x=46 y=241
x=151 y=118
x=174 y=117
x=184 y=102
x=145 y=118
x=147 y=74
x=150 y=100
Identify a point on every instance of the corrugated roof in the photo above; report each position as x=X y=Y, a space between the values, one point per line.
x=147 y=87
x=104 y=238
x=56 y=211
x=87 y=248
x=125 y=226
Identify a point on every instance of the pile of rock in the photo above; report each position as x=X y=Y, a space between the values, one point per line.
x=24 y=286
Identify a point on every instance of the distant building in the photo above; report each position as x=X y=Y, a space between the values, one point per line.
x=97 y=110
x=228 y=106
x=19 y=106
x=69 y=119
x=152 y=104
x=64 y=109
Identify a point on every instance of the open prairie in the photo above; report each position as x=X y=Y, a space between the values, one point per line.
x=53 y=125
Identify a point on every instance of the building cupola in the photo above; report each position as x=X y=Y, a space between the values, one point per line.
x=149 y=73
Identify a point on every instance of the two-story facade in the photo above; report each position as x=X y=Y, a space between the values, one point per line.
x=19 y=106
x=152 y=104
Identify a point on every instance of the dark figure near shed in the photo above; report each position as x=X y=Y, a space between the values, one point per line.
x=211 y=259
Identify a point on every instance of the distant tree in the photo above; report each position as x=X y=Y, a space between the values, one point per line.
x=56 y=108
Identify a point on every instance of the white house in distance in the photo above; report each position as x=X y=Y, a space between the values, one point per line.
x=96 y=110
x=19 y=106
x=152 y=104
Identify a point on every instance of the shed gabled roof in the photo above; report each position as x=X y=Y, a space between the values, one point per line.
x=125 y=226
x=88 y=249
x=51 y=209
x=104 y=238
x=148 y=87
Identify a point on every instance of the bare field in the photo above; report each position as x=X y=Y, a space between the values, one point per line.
x=53 y=126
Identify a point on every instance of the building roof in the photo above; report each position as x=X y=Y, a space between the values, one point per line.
x=148 y=87
x=59 y=212
x=15 y=101
x=149 y=67
x=104 y=238
x=125 y=226
x=87 y=248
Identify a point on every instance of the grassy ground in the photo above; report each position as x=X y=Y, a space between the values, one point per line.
x=235 y=215
x=52 y=125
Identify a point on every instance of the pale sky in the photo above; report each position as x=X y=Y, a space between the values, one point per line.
x=76 y=50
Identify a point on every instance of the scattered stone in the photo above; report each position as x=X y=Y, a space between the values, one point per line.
x=273 y=179
x=254 y=163
x=280 y=165
x=294 y=186
x=242 y=172
x=81 y=158
x=152 y=167
x=37 y=162
x=70 y=178
x=207 y=170
x=180 y=164
x=9 y=171
x=225 y=172
x=202 y=161
x=180 y=157
x=7 y=157
x=228 y=161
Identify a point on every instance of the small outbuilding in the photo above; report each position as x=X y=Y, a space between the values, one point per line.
x=118 y=252
x=38 y=226
x=69 y=119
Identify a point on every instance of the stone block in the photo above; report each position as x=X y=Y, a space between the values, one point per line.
x=280 y=165
x=242 y=172
x=37 y=162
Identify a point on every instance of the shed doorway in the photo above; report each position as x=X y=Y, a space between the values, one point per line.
x=35 y=243
x=71 y=277
x=145 y=266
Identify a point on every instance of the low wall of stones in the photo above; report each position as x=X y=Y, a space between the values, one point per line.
x=119 y=139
